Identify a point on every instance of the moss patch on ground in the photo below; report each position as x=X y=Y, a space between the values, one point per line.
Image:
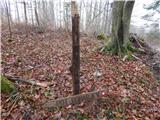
x=6 y=85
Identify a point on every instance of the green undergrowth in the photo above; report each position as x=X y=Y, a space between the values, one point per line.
x=102 y=37
x=125 y=51
x=6 y=85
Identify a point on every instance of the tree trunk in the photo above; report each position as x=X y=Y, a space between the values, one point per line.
x=9 y=21
x=127 y=12
x=25 y=13
x=121 y=15
x=117 y=27
x=17 y=10
x=36 y=15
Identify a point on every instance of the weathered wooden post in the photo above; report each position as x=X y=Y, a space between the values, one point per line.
x=75 y=68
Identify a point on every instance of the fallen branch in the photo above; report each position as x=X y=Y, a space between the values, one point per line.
x=76 y=99
x=137 y=58
x=31 y=82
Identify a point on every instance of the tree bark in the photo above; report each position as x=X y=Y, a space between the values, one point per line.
x=121 y=16
x=117 y=27
x=127 y=12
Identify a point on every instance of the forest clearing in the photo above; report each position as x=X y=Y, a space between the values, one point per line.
x=63 y=74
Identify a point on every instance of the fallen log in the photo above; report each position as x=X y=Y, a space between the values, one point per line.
x=76 y=99
x=31 y=82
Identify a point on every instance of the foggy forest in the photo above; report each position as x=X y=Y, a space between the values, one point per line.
x=80 y=59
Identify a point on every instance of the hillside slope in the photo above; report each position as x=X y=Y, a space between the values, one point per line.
x=133 y=92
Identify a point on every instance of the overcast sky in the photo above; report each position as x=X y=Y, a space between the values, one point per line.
x=139 y=11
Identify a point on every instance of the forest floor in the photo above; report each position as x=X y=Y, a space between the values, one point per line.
x=133 y=92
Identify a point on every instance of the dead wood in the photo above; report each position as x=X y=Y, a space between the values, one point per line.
x=30 y=82
x=75 y=67
x=76 y=99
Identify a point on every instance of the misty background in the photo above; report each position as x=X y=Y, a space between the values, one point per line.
x=95 y=16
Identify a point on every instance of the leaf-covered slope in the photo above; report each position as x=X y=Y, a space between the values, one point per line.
x=133 y=92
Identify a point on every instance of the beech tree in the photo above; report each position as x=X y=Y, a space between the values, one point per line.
x=121 y=16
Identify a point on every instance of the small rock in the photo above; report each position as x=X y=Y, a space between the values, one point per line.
x=97 y=73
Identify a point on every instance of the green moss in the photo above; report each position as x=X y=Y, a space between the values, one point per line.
x=131 y=48
x=125 y=50
x=80 y=116
x=6 y=85
x=130 y=57
x=101 y=36
x=110 y=113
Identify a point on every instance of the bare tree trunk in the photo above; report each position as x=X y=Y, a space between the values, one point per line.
x=65 y=17
x=25 y=13
x=75 y=68
x=10 y=12
x=106 y=17
x=17 y=12
x=121 y=15
x=36 y=15
x=9 y=22
x=99 y=18
x=60 y=14
x=127 y=12
x=52 y=5
x=32 y=13
x=117 y=27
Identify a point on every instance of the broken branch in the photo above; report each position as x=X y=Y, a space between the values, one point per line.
x=31 y=82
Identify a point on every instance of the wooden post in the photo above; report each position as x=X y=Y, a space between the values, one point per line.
x=75 y=68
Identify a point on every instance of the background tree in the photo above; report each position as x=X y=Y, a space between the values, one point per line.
x=121 y=16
